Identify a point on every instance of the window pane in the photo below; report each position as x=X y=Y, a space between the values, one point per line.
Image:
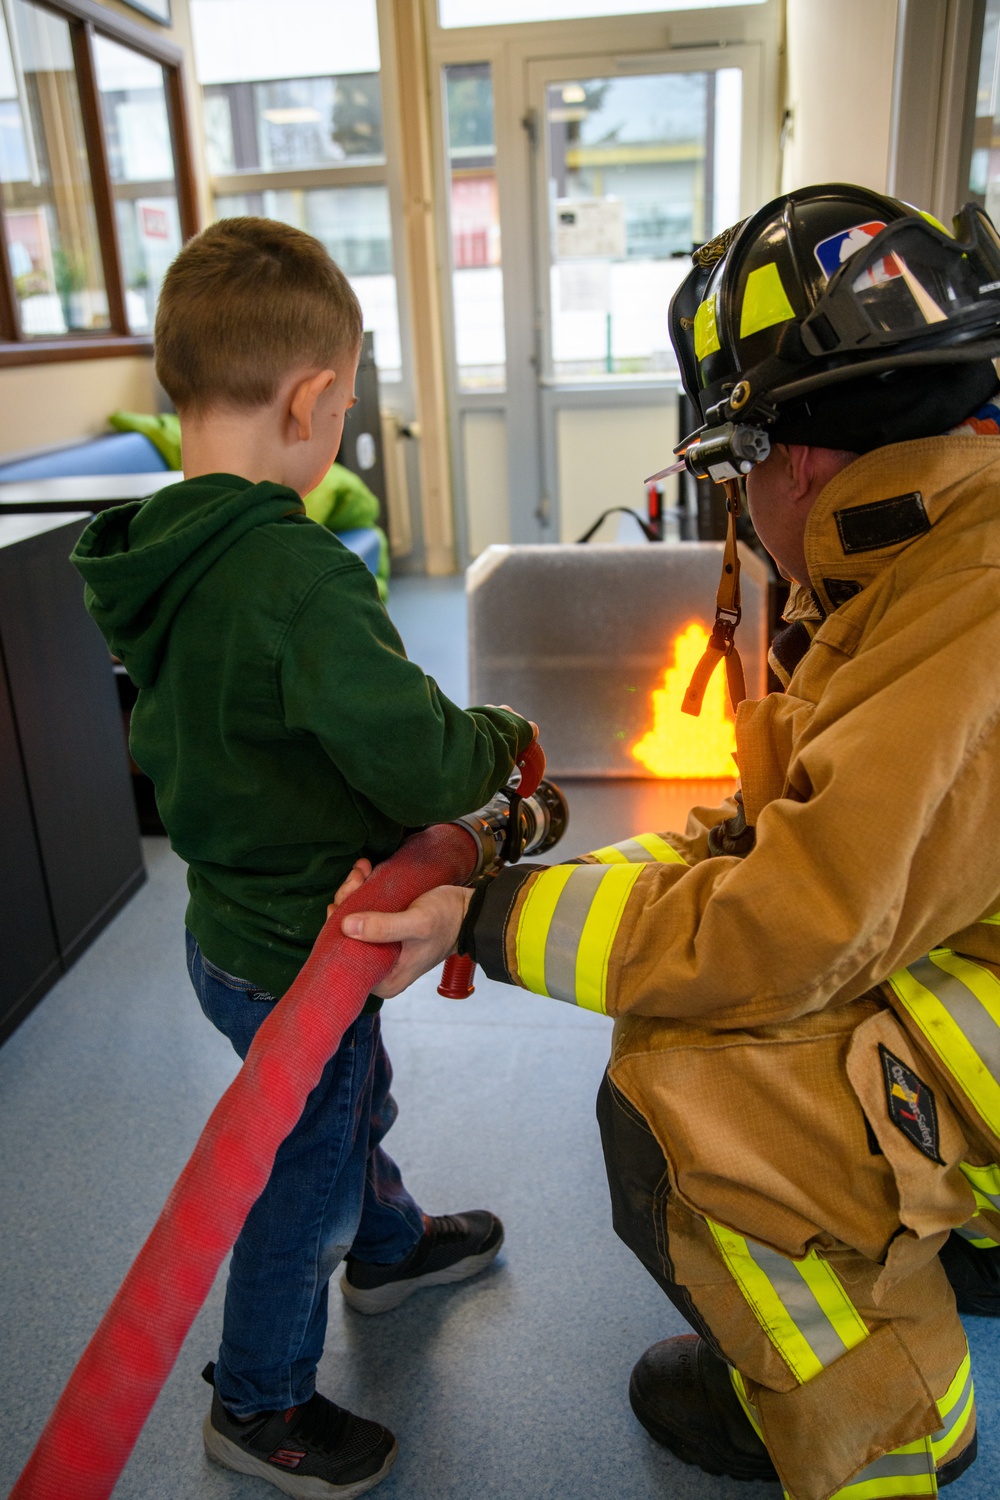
x=477 y=279
x=353 y=224
x=304 y=95
x=497 y=12
x=47 y=201
x=641 y=169
x=141 y=160
x=984 y=176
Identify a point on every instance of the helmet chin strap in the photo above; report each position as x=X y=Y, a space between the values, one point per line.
x=722 y=645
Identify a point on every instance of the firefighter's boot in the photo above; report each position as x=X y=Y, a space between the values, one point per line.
x=682 y=1394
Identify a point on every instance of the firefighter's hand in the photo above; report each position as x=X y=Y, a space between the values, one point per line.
x=428 y=930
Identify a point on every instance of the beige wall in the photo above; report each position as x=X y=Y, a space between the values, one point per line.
x=604 y=455
x=41 y=405
x=840 y=57
x=484 y=447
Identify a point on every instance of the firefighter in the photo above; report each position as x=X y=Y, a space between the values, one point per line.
x=802 y=1106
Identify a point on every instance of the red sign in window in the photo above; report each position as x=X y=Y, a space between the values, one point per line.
x=155 y=225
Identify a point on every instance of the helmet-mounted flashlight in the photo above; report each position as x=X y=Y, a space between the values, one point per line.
x=728 y=451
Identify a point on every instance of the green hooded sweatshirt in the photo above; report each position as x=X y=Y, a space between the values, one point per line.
x=278 y=717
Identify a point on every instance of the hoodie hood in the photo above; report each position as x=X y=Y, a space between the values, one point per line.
x=140 y=561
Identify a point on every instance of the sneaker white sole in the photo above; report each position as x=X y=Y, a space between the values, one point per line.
x=380 y=1299
x=306 y=1487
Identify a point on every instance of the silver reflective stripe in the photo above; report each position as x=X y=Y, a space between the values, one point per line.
x=635 y=853
x=981 y=1241
x=562 y=942
x=806 y=1313
x=955 y=1416
x=894 y=1466
x=965 y=1008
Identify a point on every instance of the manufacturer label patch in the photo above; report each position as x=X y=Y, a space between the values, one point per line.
x=883 y=523
x=911 y=1105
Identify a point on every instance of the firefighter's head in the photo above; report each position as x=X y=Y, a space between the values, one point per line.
x=837 y=320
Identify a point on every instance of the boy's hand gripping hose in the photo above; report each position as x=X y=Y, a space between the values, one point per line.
x=87 y=1440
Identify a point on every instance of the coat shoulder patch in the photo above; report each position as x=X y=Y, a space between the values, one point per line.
x=883 y=523
x=911 y=1105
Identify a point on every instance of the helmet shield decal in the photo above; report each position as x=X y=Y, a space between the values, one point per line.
x=912 y=281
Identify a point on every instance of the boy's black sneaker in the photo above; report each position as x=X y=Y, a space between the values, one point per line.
x=453 y=1247
x=316 y=1451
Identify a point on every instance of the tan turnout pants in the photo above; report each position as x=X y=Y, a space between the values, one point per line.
x=790 y=1188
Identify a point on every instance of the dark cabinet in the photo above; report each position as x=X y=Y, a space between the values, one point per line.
x=69 y=846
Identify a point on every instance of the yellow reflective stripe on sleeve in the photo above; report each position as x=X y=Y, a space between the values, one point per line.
x=533 y=926
x=706 y=330
x=956 y=1005
x=645 y=848
x=801 y=1305
x=662 y=852
x=765 y=301
x=598 y=935
x=566 y=930
x=611 y=854
x=993 y=920
x=955 y=1406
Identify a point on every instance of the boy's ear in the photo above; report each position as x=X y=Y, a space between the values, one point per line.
x=302 y=403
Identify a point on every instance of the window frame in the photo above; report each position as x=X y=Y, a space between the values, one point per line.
x=87 y=19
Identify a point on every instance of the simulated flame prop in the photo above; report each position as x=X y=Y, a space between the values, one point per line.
x=679 y=746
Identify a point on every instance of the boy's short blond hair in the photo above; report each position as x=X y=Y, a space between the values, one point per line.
x=245 y=303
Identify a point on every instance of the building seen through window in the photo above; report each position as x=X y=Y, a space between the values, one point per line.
x=141 y=165
x=477 y=278
x=48 y=204
x=640 y=169
x=89 y=189
x=293 y=125
x=984 y=176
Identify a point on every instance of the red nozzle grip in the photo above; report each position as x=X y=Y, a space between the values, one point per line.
x=532 y=764
x=456 y=979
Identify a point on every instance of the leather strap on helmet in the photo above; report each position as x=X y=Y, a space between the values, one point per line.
x=722 y=645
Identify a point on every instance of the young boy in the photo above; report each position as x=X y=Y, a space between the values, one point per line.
x=287 y=735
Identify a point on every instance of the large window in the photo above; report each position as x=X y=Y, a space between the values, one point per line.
x=474 y=208
x=500 y=12
x=91 y=135
x=293 y=121
x=641 y=169
x=984 y=177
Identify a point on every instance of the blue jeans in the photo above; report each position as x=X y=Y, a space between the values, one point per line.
x=332 y=1189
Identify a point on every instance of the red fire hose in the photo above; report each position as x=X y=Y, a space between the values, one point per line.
x=87 y=1440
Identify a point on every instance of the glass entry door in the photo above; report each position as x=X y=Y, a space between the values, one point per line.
x=635 y=161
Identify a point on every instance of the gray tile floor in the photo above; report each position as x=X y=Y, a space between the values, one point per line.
x=512 y=1387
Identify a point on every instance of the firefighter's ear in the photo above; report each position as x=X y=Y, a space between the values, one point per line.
x=800 y=469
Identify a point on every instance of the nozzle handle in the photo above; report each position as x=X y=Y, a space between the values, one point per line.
x=457 y=976
x=532 y=766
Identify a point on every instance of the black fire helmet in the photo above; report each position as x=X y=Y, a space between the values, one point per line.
x=830 y=315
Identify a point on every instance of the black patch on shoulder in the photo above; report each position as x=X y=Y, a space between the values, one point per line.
x=839 y=590
x=883 y=523
x=790 y=645
x=911 y=1105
